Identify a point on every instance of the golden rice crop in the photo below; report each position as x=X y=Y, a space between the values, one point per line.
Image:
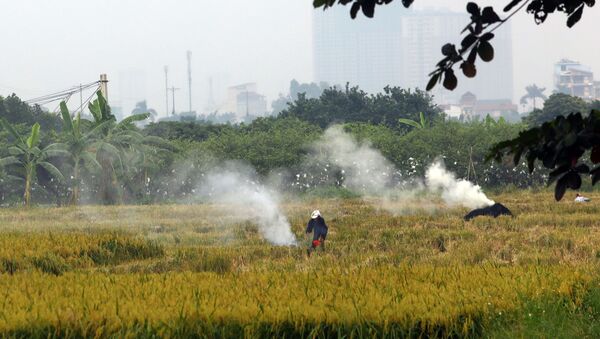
x=181 y=270
x=423 y=299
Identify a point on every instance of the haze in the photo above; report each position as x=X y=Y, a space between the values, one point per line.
x=52 y=45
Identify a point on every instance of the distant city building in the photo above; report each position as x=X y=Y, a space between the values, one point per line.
x=470 y=107
x=400 y=48
x=131 y=89
x=215 y=89
x=243 y=100
x=573 y=78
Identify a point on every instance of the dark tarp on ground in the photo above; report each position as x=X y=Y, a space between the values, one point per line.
x=495 y=211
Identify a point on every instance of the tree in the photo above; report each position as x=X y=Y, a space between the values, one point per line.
x=559 y=144
x=558 y=104
x=355 y=105
x=422 y=123
x=266 y=143
x=115 y=144
x=27 y=158
x=142 y=107
x=479 y=32
x=533 y=92
x=79 y=144
x=15 y=111
x=173 y=130
x=112 y=141
x=310 y=91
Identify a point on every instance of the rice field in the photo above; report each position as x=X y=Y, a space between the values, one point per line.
x=202 y=271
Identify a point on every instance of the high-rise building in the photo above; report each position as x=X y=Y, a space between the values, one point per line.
x=400 y=47
x=132 y=89
x=243 y=100
x=573 y=78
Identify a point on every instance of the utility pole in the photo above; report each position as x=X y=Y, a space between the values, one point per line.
x=167 y=89
x=80 y=98
x=173 y=89
x=189 y=61
x=104 y=85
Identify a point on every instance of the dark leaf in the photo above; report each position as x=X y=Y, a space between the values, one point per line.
x=354 y=10
x=473 y=9
x=472 y=55
x=561 y=188
x=595 y=156
x=432 y=81
x=487 y=37
x=489 y=16
x=590 y=3
x=468 y=41
x=530 y=161
x=407 y=3
x=511 y=5
x=468 y=69
x=485 y=51
x=319 y=3
x=595 y=175
x=557 y=173
x=478 y=27
x=575 y=17
x=573 y=180
x=450 y=81
x=583 y=168
x=368 y=8
x=449 y=50
x=517 y=157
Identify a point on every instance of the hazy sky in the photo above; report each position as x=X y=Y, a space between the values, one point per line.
x=52 y=45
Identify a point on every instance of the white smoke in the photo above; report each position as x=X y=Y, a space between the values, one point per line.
x=455 y=192
x=368 y=172
x=364 y=168
x=249 y=200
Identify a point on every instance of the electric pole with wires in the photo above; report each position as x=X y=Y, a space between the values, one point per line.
x=173 y=89
x=167 y=90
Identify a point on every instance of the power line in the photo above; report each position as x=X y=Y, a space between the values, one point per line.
x=61 y=95
x=87 y=101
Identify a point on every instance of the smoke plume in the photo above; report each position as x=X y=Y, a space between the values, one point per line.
x=455 y=192
x=244 y=197
x=364 y=168
x=366 y=171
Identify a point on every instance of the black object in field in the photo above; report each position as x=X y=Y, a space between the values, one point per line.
x=495 y=211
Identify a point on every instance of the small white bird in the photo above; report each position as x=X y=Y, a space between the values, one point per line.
x=581 y=198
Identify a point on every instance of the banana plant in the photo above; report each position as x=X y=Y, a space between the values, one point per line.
x=422 y=124
x=79 y=144
x=26 y=157
x=115 y=142
x=146 y=158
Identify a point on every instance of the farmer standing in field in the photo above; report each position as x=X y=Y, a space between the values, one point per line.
x=319 y=228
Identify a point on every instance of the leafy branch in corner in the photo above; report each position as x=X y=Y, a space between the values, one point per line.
x=479 y=31
x=559 y=144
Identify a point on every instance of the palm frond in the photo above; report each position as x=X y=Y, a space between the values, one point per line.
x=52 y=170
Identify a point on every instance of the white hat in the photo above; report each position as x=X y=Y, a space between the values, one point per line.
x=315 y=214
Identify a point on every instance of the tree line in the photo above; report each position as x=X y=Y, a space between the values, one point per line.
x=70 y=159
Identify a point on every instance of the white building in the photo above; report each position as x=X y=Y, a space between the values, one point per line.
x=573 y=78
x=244 y=100
x=400 y=47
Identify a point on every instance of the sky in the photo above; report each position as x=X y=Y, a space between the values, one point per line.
x=49 y=46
